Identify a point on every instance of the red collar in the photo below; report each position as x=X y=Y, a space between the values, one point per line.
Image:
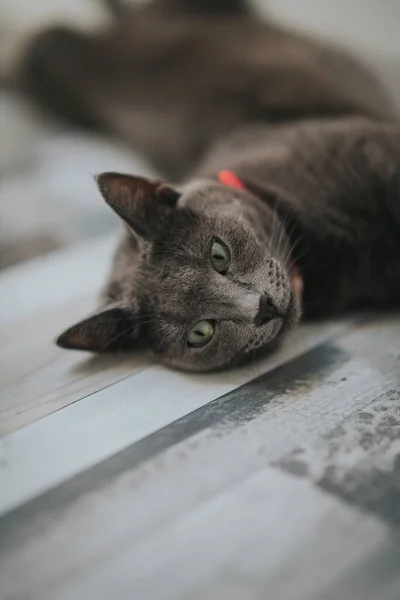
x=229 y=178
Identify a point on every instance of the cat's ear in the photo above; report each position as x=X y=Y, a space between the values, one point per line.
x=109 y=329
x=140 y=202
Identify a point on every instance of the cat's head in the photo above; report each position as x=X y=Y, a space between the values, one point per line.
x=202 y=276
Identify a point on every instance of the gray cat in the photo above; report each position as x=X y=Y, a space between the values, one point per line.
x=293 y=207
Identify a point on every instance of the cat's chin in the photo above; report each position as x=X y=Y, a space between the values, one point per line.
x=297 y=283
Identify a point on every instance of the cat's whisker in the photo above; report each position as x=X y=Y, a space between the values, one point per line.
x=113 y=339
x=125 y=331
x=274 y=230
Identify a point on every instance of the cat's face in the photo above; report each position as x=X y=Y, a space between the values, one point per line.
x=202 y=277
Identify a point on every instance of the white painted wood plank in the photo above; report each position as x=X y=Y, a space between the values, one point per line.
x=266 y=531
x=37 y=301
x=238 y=545
x=37 y=378
x=49 y=451
x=159 y=517
x=55 y=279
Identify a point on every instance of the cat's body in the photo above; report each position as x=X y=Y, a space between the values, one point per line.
x=171 y=80
x=205 y=273
x=339 y=181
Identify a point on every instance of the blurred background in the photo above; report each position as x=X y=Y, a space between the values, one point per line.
x=47 y=196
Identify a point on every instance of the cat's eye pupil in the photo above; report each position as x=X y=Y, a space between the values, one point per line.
x=201 y=333
x=220 y=257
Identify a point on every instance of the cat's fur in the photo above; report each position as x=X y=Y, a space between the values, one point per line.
x=306 y=129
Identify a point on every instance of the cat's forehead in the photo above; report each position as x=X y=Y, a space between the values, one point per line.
x=190 y=232
x=210 y=196
x=237 y=213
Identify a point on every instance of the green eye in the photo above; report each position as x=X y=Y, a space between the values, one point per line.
x=201 y=333
x=220 y=257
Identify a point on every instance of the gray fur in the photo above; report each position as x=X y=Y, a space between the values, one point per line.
x=204 y=86
x=166 y=283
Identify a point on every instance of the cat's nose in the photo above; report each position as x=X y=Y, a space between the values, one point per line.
x=266 y=311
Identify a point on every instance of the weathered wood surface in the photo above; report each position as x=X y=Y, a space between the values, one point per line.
x=120 y=478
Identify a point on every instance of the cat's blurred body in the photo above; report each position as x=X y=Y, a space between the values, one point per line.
x=170 y=80
x=203 y=87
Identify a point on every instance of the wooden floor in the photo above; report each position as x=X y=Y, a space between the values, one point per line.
x=122 y=479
